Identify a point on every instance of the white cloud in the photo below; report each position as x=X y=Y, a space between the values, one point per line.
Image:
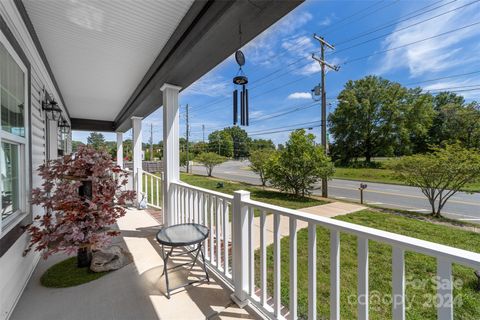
x=453 y=85
x=262 y=49
x=433 y=55
x=300 y=95
x=256 y=114
x=325 y=22
x=210 y=85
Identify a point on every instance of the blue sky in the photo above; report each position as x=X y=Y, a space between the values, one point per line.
x=386 y=38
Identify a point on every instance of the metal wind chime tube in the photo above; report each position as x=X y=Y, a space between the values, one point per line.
x=240 y=80
x=235 y=107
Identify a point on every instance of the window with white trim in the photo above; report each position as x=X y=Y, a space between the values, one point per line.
x=13 y=133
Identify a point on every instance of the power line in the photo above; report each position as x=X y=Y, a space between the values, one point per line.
x=286 y=130
x=406 y=27
x=298 y=60
x=384 y=26
x=266 y=92
x=257 y=80
x=411 y=43
x=443 y=78
x=295 y=109
x=352 y=15
x=391 y=3
x=283 y=127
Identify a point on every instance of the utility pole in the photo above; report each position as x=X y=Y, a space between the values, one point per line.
x=151 y=141
x=187 y=133
x=323 y=65
x=203 y=133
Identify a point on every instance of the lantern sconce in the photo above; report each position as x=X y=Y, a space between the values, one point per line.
x=51 y=108
x=64 y=126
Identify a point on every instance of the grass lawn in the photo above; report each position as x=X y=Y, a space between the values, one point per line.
x=418 y=267
x=66 y=274
x=256 y=193
x=382 y=176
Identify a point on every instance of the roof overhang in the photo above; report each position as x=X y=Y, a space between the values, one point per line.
x=205 y=35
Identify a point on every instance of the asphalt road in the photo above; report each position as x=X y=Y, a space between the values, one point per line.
x=462 y=206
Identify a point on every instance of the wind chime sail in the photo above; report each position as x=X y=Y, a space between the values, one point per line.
x=240 y=80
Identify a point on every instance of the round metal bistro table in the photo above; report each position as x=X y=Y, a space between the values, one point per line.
x=190 y=235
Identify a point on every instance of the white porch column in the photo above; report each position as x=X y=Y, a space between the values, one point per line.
x=120 y=149
x=52 y=141
x=171 y=154
x=137 y=156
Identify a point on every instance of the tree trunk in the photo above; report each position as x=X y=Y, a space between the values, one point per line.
x=84 y=257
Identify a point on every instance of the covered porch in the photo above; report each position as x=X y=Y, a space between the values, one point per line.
x=206 y=33
x=136 y=291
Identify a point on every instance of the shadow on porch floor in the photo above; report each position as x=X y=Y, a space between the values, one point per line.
x=133 y=292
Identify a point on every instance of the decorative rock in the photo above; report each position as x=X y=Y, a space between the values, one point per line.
x=108 y=259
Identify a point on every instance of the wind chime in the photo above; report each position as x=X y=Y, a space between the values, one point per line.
x=240 y=80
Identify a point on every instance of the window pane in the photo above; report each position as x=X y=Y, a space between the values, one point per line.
x=9 y=159
x=12 y=84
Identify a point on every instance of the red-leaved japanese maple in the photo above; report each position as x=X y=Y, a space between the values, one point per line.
x=73 y=222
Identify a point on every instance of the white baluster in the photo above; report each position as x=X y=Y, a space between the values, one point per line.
x=363 y=296
x=157 y=192
x=398 y=274
x=444 y=290
x=211 y=224
x=312 y=271
x=276 y=266
x=251 y=253
x=293 y=268
x=218 y=227
x=334 y=275
x=240 y=248
x=225 y=237
x=263 y=259
x=151 y=191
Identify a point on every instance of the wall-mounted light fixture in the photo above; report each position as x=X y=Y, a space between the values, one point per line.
x=50 y=106
x=63 y=126
x=52 y=109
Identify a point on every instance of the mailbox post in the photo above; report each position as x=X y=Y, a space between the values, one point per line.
x=363 y=186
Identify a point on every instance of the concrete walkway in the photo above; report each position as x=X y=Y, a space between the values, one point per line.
x=329 y=210
x=133 y=292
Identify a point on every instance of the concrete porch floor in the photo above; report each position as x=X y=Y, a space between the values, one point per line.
x=134 y=292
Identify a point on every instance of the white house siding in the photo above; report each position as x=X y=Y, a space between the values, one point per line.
x=15 y=269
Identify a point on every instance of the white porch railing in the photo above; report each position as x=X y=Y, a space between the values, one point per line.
x=210 y=208
x=236 y=231
x=152 y=188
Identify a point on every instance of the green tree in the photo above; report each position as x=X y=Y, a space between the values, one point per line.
x=96 y=140
x=259 y=160
x=76 y=144
x=221 y=142
x=128 y=149
x=240 y=141
x=183 y=159
x=439 y=174
x=455 y=121
x=210 y=160
x=260 y=144
x=377 y=117
x=199 y=147
x=297 y=167
x=446 y=105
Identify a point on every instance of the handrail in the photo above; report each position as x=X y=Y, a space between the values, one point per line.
x=151 y=174
x=464 y=257
x=215 y=193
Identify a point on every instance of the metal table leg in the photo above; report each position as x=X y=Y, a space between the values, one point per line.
x=166 y=256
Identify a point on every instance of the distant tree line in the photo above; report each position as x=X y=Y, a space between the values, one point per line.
x=230 y=142
x=376 y=117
